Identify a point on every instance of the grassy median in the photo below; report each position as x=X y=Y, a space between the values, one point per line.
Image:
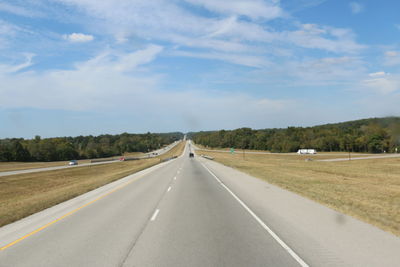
x=366 y=189
x=24 y=194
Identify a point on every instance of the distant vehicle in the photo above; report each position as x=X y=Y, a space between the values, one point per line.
x=191 y=155
x=307 y=151
x=73 y=162
x=122 y=159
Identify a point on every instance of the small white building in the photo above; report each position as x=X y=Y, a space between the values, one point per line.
x=307 y=151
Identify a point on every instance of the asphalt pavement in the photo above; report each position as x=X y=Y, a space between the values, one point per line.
x=380 y=156
x=193 y=212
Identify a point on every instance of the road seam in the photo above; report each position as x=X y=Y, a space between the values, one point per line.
x=155 y=215
x=152 y=218
x=272 y=233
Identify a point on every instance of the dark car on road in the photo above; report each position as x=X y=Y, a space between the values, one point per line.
x=191 y=155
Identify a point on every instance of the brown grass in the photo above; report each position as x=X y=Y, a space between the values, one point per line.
x=366 y=189
x=25 y=194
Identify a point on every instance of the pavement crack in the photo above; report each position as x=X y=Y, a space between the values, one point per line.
x=148 y=221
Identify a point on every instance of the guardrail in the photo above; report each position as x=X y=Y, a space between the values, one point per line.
x=131 y=158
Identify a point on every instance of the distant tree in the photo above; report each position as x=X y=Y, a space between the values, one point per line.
x=19 y=153
x=369 y=135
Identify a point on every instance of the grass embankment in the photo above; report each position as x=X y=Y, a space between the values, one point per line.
x=367 y=189
x=24 y=194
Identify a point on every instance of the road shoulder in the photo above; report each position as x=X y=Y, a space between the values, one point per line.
x=322 y=236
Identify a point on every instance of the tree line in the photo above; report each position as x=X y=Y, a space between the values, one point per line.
x=82 y=147
x=374 y=135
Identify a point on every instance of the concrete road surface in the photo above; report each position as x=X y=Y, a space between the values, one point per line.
x=150 y=154
x=193 y=212
x=384 y=156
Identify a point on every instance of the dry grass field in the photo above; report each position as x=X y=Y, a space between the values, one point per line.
x=366 y=189
x=25 y=194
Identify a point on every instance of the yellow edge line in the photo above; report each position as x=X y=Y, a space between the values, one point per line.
x=66 y=215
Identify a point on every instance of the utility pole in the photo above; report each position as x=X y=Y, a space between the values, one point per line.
x=350 y=148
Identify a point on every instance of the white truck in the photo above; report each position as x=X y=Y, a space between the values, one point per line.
x=307 y=151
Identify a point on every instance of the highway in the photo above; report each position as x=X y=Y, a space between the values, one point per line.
x=193 y=212
x=147 y=155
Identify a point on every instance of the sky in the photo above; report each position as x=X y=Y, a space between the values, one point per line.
x=80 y=67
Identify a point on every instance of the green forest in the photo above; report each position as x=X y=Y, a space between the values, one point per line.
x=376 y=135
x=82 y=147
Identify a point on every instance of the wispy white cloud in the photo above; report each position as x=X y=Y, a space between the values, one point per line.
x=7 y=32
x=294 y=6
x=330 y=71
x=377 y=74
x=239 y=59
x=382 y=82
x=78 y=37
x=254 y=9
x=392 y=53
x=101 y=82
x=18 y=10
x=331 y=39
x=5 y=68
x=8 y=29
x=120 y=62
x=156 y=20
x=391 y=58
x=356 y=7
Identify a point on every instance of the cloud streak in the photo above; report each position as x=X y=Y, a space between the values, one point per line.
x=356 y=7
x=78 y=37
x=253 y=9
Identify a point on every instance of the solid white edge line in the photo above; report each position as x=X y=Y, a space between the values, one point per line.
x=155 y=215
x=275 y=236
x=169 y=188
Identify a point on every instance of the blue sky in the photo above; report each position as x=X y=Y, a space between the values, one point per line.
x=72 y=67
